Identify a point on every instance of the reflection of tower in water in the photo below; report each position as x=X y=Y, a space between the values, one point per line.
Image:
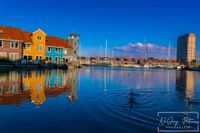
x=71 y=79
x=185 y=83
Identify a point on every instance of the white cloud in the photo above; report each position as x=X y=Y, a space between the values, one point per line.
x=140 y=49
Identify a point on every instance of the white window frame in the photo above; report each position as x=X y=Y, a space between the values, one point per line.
x=38 y=56
x=65 y=51
x=58 y=50
x=27 y=48
x=39 y=48
x=48 y=49
x=4 y=54
x=14 y=54
x=39 y=38
x=14 y=44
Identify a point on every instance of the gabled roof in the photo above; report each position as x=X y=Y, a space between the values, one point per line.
x=39 y=30
x=11 y=33
x=57 y=42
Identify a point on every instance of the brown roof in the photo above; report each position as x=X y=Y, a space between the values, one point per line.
x=10 y=33
x=27 y=36
x=55 y=41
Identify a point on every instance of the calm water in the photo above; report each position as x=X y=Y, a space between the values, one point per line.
x=93 y=99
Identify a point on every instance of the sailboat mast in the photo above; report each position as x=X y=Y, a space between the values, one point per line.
x=169 y=52
x=145 y=48
x=101 y=51
x=106 y=48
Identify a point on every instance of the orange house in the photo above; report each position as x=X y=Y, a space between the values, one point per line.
x=35 y=50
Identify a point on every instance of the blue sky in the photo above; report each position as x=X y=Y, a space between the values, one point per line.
x=119 y=21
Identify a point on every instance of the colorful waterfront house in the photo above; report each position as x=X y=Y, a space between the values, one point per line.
x=54 y=49
x=17 y=44
x=11 y=41
x=36 y=46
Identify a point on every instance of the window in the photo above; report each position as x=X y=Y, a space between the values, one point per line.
x=39 y=37
x=74 y=52
x=75 y=43
x=38 y=57
x=65 y=51
x=14 y=56
x=48 y=49
x=48 y=58
x=2 y=54
x=58 y=50
x=14 y=44
x=39 y=47
x=1 y=43
x=27 y=47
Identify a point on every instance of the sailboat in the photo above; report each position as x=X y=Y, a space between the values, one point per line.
x=169 y=66
x=146 y=65
x=105 y=61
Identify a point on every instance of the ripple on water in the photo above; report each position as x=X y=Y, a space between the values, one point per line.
x=138 y=109
x=140 y=100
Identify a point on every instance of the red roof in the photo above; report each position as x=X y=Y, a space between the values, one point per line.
x=17 y=34
x=10 y=33
x=27 y=36
x=58 y=42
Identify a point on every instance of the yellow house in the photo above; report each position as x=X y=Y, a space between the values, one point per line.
x=35 y=50
x=34 y=81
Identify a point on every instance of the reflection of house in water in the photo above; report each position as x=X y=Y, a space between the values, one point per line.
x=11 y=91
x=53 y=79
x=54 y=84
x=185 y=82
x=58 y=81
x=36 y=85
x=34 y=81
x=10 y=82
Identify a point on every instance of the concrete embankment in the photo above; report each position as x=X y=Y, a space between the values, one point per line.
x=10 y=66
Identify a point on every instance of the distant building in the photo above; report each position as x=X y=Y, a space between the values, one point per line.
x=186 y=48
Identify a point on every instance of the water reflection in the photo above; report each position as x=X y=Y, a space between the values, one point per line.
x=111 y=99
x=35 y=86
x=185 y=81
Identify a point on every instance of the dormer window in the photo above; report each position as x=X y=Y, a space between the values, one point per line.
x=39 y=37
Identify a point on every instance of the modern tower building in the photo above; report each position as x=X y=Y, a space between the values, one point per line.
x=186 y=48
